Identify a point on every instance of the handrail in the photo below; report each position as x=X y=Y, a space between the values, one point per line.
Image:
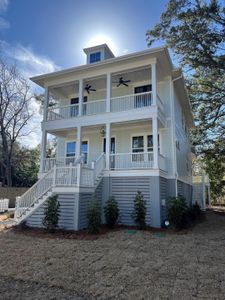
x=99 y=157
x=28 y=199
x=138 y=94
x=94 y=101
x=62 y=106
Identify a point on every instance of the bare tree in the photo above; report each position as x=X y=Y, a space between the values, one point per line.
x=15 y=112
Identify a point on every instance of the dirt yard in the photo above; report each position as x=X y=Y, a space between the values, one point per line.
x=119 y=265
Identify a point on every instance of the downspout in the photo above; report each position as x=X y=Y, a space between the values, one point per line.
x=174 y=132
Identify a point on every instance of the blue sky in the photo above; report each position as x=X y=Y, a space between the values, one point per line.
x=42 y=36
x=58 y=30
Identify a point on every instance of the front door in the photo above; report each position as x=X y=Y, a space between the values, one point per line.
x=112 y=150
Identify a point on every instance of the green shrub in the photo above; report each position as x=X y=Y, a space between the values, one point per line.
x=139 y=213
x=111 y=212
x=195 y=212
x=94 y=216
x=178 y=212
x=51 y=213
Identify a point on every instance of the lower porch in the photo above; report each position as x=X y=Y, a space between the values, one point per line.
x=126 y=146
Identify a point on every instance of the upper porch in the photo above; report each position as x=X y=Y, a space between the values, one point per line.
x=135 y=93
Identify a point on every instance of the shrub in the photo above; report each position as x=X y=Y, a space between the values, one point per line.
x=178 y=212
x=195 y=212
x=51 y=213
x=111 y=212
x=139 y=213
x=94 y=216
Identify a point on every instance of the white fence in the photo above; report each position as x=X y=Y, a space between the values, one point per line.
x=4 y=205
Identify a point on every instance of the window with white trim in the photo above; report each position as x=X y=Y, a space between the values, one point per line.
x=95 y=57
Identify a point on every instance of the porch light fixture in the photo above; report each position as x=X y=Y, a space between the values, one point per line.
x=102 y=131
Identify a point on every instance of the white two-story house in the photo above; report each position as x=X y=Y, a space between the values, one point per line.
x=122 y=126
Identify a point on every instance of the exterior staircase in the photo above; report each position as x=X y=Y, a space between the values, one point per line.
x=65 y=176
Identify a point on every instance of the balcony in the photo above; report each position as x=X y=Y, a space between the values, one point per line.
x=117 y=104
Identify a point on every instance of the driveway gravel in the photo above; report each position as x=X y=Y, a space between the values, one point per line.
x=122 y=264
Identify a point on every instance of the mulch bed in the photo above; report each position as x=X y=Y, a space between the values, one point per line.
x=85 y=235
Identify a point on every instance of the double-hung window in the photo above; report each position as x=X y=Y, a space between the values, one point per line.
x=137 y=148
x=140 y=145
x=71 y=150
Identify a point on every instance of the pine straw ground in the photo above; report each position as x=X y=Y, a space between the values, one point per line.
x=122 y=264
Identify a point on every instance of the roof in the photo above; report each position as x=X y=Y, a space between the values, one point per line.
x=40 y=79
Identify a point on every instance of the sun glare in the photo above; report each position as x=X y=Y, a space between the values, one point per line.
x=102 y=39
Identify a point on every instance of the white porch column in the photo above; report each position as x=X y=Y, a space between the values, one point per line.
x=108 y=145
x=78 y=142
x=43 y=150
x=154 y=83
x=108 y=92
x=81 y=96
x=155 y=142
x=46 y=102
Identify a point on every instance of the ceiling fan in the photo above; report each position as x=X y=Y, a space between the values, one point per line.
x=88 y=88
x=122 y=82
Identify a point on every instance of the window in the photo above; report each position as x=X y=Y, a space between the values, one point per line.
x=138 y=144
x=95 y=57
x=71 y=149
x=84 y=150
x=137 y=147
x=143 y=100
x=150 y=143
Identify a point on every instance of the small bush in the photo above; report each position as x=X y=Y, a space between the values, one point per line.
x=178 y=212
x=51 y=217
x=139 y=213
x=111 y=212
x=195 y=212
x=94 y=216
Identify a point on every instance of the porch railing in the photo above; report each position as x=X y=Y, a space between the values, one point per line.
x=129 y=102
x=63 y=112
x=121 y=103
x=49 y=163
x=141 y=160
x=94 y=107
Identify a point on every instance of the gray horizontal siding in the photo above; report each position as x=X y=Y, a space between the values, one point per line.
x=84 y=200
x=163 y=196
x=124 y=190
x=66 y=217
x=185 y=190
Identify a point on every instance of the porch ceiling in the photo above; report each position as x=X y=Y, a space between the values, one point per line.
x=141 y=124
x=99 y=83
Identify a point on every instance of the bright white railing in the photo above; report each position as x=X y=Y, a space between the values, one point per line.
x=98 y=166
x=87 y=176
x=49 y=163
x=131 y=101
x=162 y=162
x=63 y=112
x=4 y=205
x=94 y=107
x=65 y=176
x=33 y=194
x=141 y=160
